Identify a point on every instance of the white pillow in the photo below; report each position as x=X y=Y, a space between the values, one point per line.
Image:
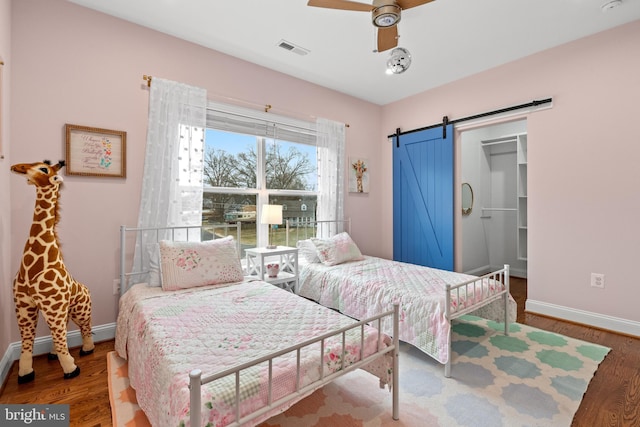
x=308 y=251
x=191 y=264
x=338 y=249
x=155 y=277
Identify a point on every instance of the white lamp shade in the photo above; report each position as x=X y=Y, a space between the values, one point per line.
x=271 y=214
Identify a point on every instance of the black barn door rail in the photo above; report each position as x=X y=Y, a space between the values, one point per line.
x=446 y=121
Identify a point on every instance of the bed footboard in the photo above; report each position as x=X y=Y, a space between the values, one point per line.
x=197 y=380
x=473 y=294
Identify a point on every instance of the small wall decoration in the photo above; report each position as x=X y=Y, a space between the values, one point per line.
x=95 y=152
x=358 y=175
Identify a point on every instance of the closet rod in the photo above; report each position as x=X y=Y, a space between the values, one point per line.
x=506 y=141
x=445 y=119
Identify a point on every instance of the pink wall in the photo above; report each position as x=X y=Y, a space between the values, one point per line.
x=6 y=322
x=74 y=65
x=582 y=172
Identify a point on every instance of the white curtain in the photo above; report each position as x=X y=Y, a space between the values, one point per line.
x=173 y=166
x=331 y=164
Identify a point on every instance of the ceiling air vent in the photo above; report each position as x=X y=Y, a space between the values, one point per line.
x=292 y=47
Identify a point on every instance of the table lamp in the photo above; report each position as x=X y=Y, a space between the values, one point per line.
x=271 y=215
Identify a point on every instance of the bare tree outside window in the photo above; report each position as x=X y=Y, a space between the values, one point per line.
x=233 y=186
x=288 y=170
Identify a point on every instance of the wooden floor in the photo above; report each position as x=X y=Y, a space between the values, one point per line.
x=612 y=399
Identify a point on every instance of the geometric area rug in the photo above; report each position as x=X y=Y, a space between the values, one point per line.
x=529 y=378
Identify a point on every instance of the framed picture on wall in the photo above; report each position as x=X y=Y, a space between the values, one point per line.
x=95 y=152
x=358 y=175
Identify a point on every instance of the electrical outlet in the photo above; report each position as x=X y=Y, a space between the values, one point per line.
x=597 y=280
x=116 y=286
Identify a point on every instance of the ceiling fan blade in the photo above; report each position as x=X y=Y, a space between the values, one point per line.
x=387 y=38
x=341 y=4
x=408 y=4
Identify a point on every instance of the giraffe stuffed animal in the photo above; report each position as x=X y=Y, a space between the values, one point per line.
x=43 y=284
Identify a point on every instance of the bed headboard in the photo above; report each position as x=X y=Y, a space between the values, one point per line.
x=132 y=237
x=305 y=229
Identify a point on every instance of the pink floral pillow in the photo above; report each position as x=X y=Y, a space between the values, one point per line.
x=338 y=249
x=191 y=264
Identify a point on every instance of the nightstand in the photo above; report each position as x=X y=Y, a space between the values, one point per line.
x=286 y=257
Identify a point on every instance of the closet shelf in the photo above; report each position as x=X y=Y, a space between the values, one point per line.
x=503 y=140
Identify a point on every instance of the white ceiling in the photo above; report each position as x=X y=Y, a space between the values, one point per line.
x=448 y=39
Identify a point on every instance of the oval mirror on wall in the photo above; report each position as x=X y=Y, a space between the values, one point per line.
x=467 y=199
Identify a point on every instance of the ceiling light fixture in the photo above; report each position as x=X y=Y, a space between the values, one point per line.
x=399 y=61
x=385 y=15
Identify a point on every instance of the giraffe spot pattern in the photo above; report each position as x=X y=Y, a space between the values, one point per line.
x=43 y=283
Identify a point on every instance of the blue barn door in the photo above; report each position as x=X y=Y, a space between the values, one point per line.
x=423 y=198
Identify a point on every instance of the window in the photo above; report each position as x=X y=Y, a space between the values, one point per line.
x=250 y=162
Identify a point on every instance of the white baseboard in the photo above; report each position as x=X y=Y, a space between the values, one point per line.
x=516 y=272
x=43 y=345
x=489 y=268
x=615 y=324
x=479 y=271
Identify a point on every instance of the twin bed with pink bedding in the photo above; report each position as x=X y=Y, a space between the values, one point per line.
x=249 y=349
x=336 y=275
x=359 y=288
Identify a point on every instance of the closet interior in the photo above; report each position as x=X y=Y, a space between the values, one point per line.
x=494 y=166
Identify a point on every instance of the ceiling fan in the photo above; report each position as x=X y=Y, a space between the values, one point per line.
x=385 y=14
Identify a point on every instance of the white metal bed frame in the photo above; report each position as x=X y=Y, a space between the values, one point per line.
x=197 y=380
x=475 y=285
x=311 y=228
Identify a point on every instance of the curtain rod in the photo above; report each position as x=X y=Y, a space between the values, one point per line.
x=233 y=113
x=267 y=107
x=446 y=121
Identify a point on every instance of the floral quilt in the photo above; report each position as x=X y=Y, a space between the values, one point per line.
x=360 y=288
x=164 y=335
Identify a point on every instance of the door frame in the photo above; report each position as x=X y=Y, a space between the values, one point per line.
x=457 y=175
